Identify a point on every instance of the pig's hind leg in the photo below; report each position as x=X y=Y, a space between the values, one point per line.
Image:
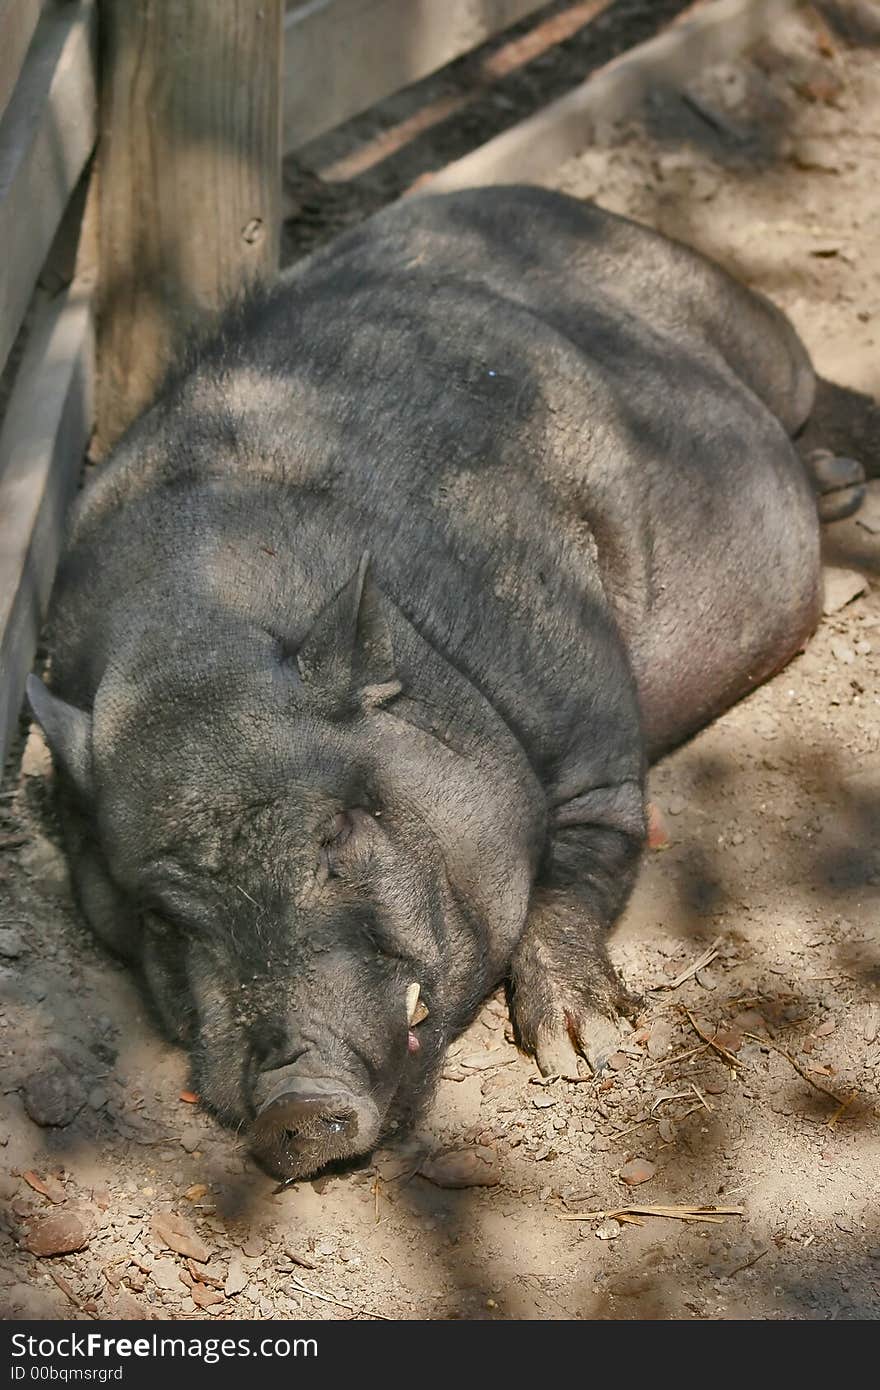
x=759 y=343
x=839 y=483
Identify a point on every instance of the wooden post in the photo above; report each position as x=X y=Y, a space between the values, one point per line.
x=189 y=170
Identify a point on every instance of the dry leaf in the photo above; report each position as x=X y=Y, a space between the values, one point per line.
x=59 y=1233
x=461 y=1168
x=177 y=1234
x=636 y=1171
x=47 y=1187
x=204 y=1297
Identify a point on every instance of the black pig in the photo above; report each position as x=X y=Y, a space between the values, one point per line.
x=366 y=633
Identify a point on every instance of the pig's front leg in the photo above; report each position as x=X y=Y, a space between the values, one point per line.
x=567 y=997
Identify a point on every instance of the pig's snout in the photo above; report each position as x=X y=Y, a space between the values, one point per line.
x=305 y=1123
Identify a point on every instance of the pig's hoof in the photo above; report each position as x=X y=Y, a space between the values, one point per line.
x=592 y=1035
x=839 y=484
x=560 y=1024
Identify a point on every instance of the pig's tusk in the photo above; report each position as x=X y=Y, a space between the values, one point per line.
x=412 y=1001
x=415 y=1009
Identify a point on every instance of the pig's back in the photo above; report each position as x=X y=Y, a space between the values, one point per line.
x=511 y=400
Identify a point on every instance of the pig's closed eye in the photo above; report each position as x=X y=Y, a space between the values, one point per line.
x=347 y=842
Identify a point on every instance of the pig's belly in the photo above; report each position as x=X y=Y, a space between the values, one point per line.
x=716 y=586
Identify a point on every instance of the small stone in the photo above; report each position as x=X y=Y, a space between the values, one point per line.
x=253 y=1246
x=543 y=1101
x=716 y=1085
x=675 y=805
x=482 y=1061
x=841 y=652
x=815 y=155
x=660 y=1040
x=97 y=1098
x=165 y=1274
x=53 y=1098
x=236 y=1278
x=608 y=1230
x=59 y=1233
x=638 y=1170
x=190 y=1139
x=11 y=943
x=196 y=1192
x=871 y=1023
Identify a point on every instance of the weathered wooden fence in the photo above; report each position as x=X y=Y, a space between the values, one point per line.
x=47 y=134
x=106 y=264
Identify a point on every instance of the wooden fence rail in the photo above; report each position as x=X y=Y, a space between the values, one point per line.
x=341 y=56
x=18 y=20
x=47 y=133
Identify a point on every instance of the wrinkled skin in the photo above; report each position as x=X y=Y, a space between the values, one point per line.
x=298 y=781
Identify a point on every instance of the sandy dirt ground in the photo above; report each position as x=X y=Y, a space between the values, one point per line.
x=121 y=1198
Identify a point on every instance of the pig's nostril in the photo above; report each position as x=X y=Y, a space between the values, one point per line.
x=335 y=1123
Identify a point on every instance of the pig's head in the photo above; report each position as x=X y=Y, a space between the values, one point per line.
x=319 y=854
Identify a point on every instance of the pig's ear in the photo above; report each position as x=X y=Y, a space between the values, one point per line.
x=347 y=656
x=68 y=733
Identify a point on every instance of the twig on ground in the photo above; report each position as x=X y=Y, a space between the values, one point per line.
x=801 y=1071
x=679 y=1057
x=728 y=1056
x=661 y=1100
x=748 y=1264
x=840 y=1109
x=705 y=959
x=701 y=1098
x=68 y=1291
x=329 y=1298
x=712 y=1215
